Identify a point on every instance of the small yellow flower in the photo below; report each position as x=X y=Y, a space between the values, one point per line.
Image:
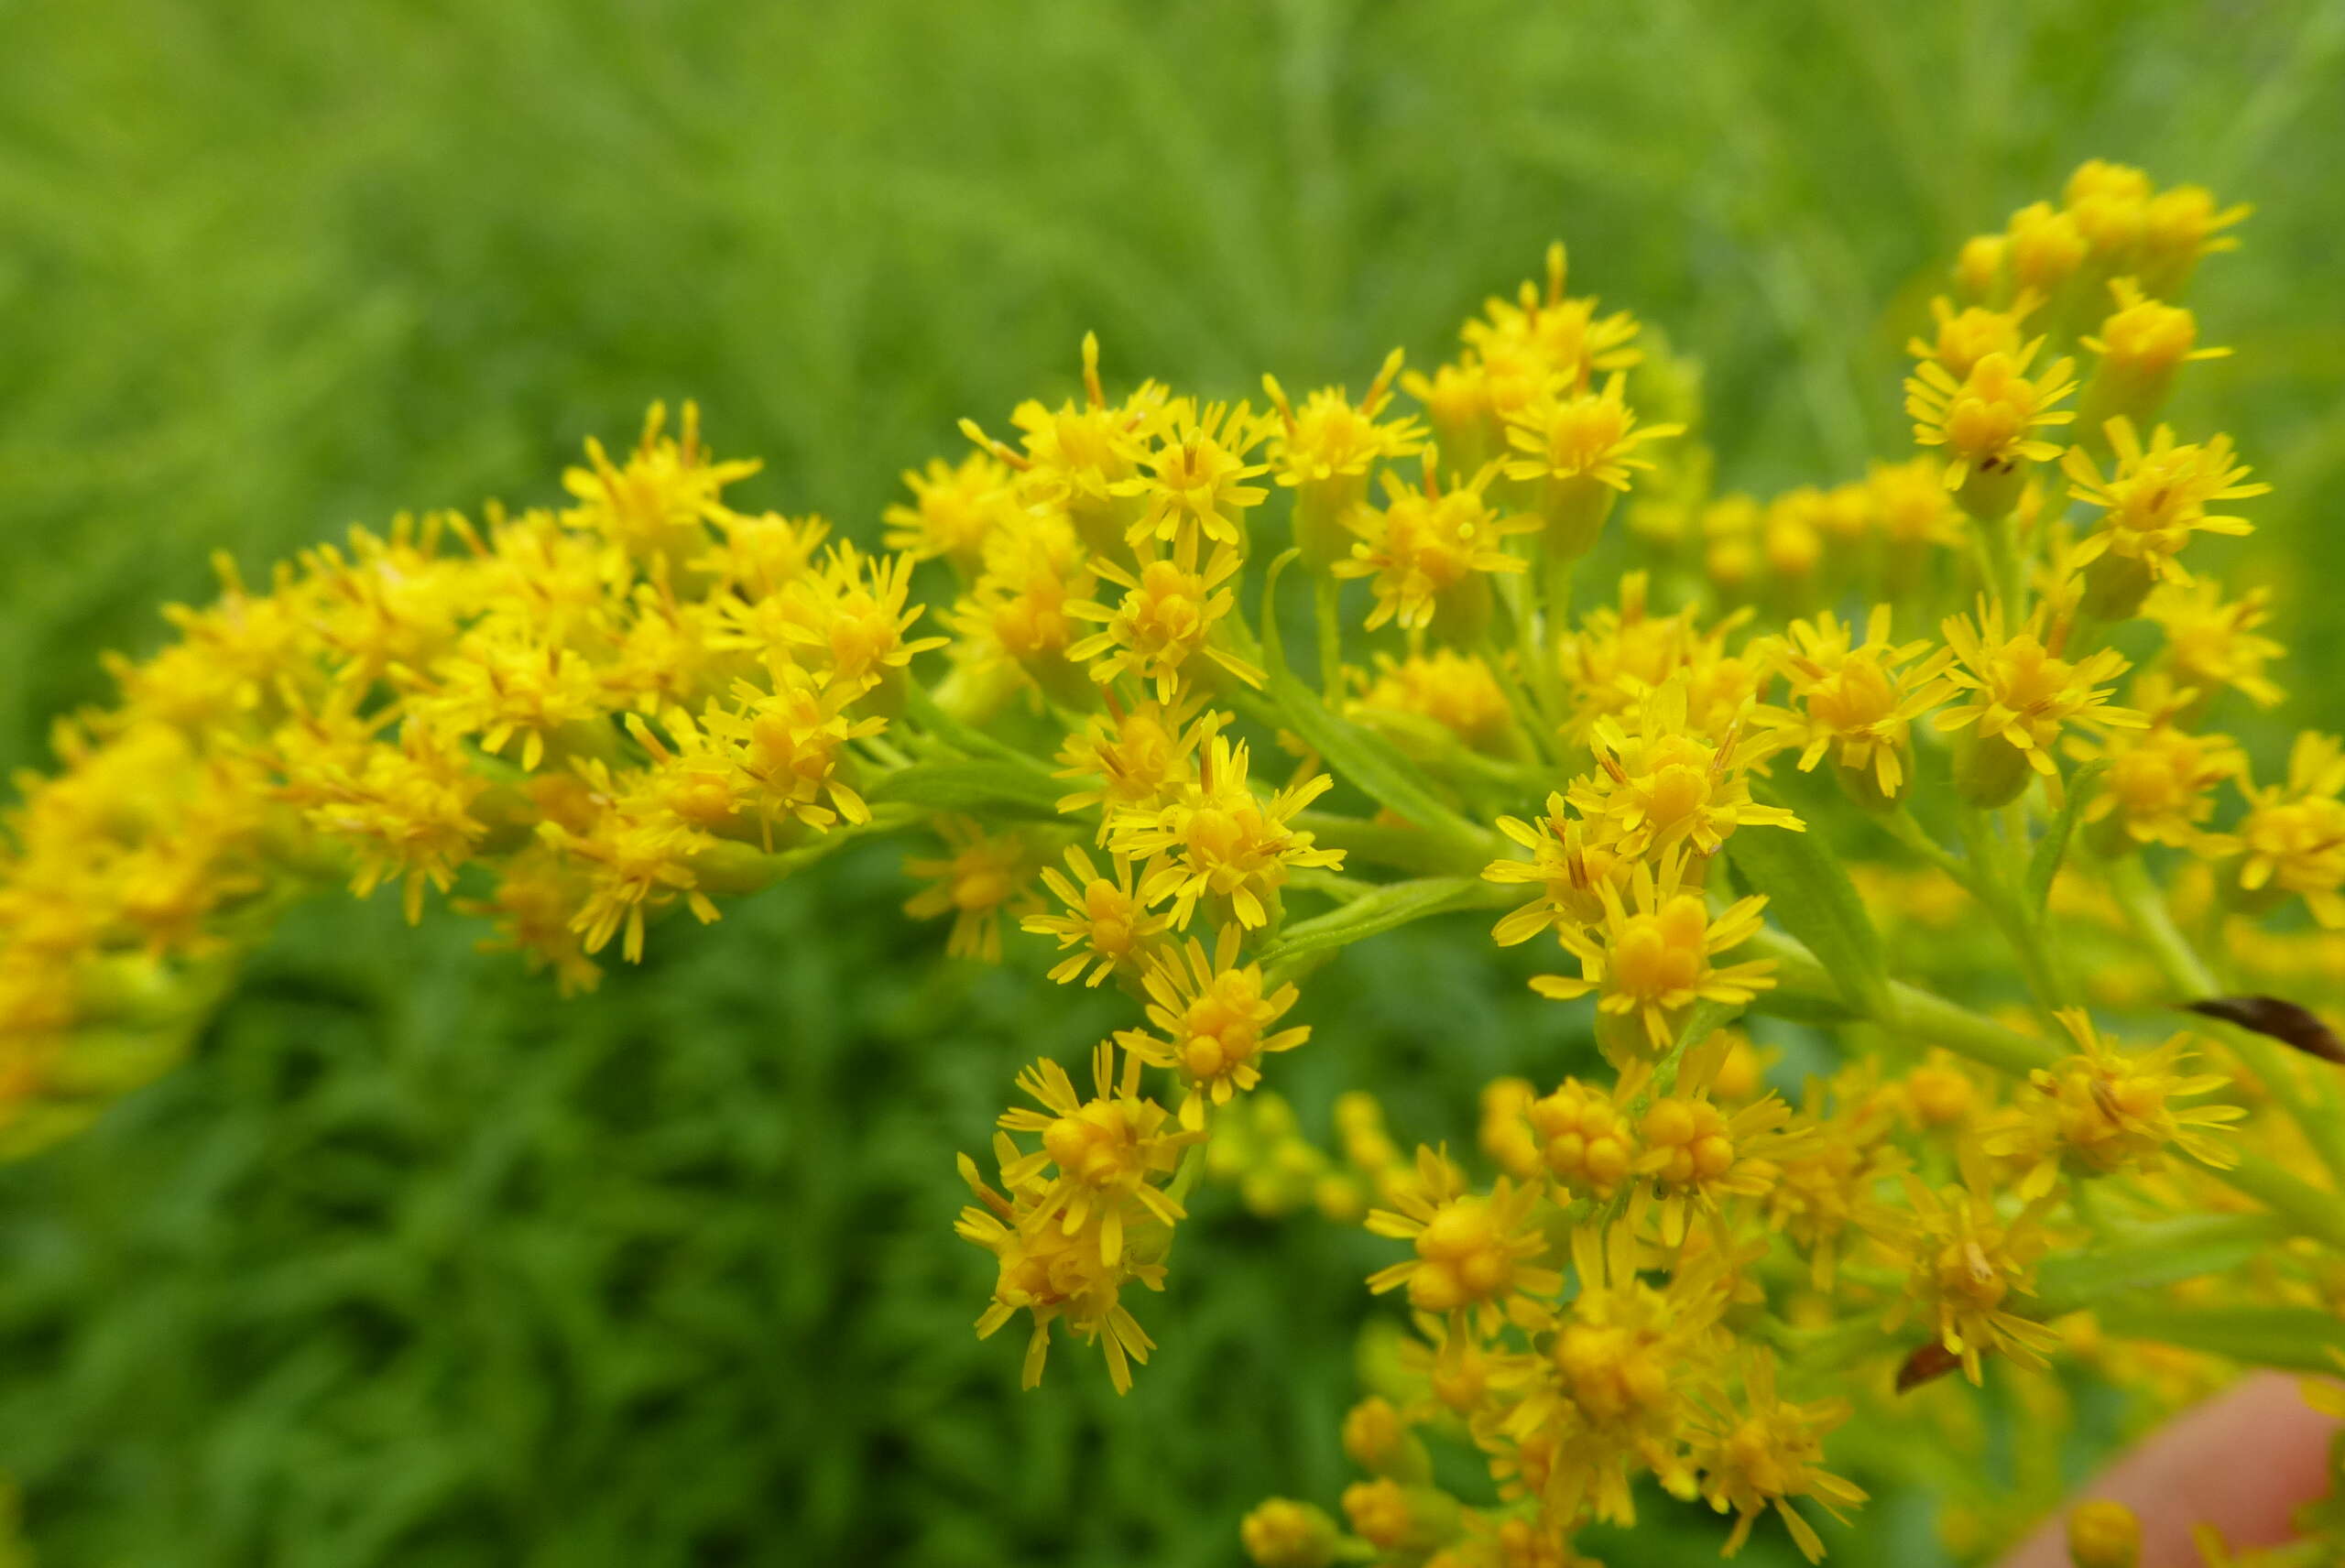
x=1076 y=458
x=1651 y=959
x=2020 y=696
x=1827 y=1185
x=1767 y=1452
x=2212 y=643
x=1458 y=693
x=405 y=808
x=660 y=502
x=1968 y=335
x=1579 y=448
x=1216 y=839
x=1140 y=756
x=637 y=856
x=954 y=510
x=983 y=874
x=2159 y=785
x=1910 y=506
x=854 y=614
x=2181 y=225
x=1965 y=1259
x=1697 y=1154
x=2046 y=247
x=2104 y=1534
x=1215 y=1020
x=1196 y=473
x=1020 y=606
x=2106 y=1110
x=532 y=908
x=1565 y=334
x=1856 y=700
x=1282 y=1534
x=2151 y=503
x=502 y=680
x=1324 y=452
x=2141 y=345
x=1475 y=1251
x=1572 y=861
x=1584 y=1139
x=756 y=558
x=1170 y=608
x=1614 y=1385
x=1666 y=784
x=1108 y=1150
x=791 y=744
x=1985 y=418
x=1110 y=928
x=2293 y=837
x=1055 y=1274
x=1431 y=552
x=2109 y=203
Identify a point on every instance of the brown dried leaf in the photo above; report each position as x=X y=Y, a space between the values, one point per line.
x=1927 y=1364
x=2282 y=1021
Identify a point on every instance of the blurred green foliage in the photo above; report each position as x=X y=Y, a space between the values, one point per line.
x=414 y=1264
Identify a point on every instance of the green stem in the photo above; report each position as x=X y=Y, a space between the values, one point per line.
x=2004 y=897
x=1184 y=1179
x=1899 y=824
x=1327 y=594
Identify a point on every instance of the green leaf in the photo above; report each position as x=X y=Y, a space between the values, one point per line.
x=1394 y=903
x=2044 y=865
x=1809 y=894
x=2297 y=1339
x=2146 y=1256
x=990 y=788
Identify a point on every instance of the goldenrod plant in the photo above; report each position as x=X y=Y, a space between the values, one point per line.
x=1874 y=829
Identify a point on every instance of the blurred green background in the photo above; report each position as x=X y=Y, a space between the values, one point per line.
x=414 y=1264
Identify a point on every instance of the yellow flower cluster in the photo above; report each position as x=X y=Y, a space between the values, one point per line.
x=1918 y=781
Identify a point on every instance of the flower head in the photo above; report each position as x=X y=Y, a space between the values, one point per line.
x=1768 y=1451
x=2103 y=1110
x=2212 y=643
x=1475 y=1251
x=661 y=500
x=1055 y=1274
x=1666 y=783
x=1106 y=1152
x=1140 y=756
x=1215 y=1017
x=1651 y=958
x=956 y=507
x=1170 y=607
x=1965 y=1258
x=1324 y=450
x=1985 y=418
x=1580 y=448
x=1856 y=700
x=1430 y=550
x=2156 y=496
x=1106 y=925
x=1456 y=692
x=1572 y=859
x=2021 y=694
x=2159 y=783
x=1217 y=840
x=2293 y=837
x=980 y=876
x=1195 y=474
